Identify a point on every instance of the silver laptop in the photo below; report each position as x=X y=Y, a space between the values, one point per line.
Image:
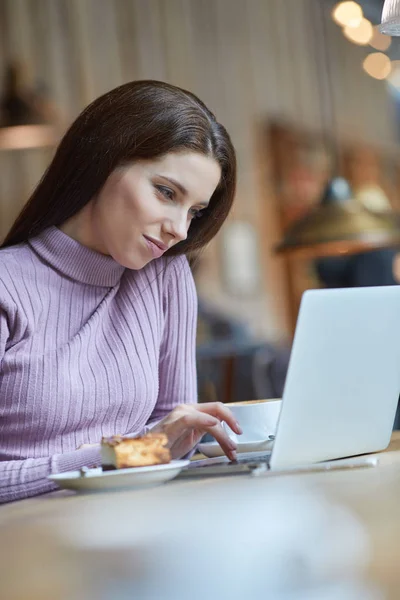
x=343 y=381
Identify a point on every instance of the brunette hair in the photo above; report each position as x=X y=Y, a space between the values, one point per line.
x=135 y=121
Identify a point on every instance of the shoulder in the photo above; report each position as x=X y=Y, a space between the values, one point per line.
x=15 y=268
x=177 y=273
x=179 y=288
x=159 y=274
x=170 y=280
x=14 y=254
x=177 y=267
x=17 y=260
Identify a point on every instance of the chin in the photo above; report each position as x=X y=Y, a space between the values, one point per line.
x=129 y=262
x=136 y=265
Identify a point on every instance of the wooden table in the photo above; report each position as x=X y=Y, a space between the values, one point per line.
x=59 y=521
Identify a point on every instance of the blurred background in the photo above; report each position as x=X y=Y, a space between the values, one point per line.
x=308 y=89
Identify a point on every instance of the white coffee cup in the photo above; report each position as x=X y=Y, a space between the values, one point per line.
x=257 y=418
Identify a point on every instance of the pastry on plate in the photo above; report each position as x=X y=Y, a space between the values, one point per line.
x=118 y=452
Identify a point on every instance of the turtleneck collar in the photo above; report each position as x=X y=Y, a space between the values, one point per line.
x=76 y=261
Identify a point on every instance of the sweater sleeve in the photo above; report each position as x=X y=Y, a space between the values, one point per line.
x=24 y=478
x=177 y=365
x=28 y=477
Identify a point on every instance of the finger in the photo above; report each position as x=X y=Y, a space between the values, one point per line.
x=205 y=423
x=222 y=412
x=227 y=444
x=187 y=420
x=185 y=443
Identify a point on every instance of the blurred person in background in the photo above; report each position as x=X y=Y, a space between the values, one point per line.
x=97 y=302
x=373 y=268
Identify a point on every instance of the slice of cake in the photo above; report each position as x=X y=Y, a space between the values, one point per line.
x=118 y=452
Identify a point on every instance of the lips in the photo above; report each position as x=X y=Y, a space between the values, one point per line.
x=156 y=247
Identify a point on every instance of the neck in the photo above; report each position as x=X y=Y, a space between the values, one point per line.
x=80 y=228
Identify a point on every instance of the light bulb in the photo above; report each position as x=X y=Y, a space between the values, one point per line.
x=347 y=13
x=360 y=35
x=377 y=65
x=379 y=41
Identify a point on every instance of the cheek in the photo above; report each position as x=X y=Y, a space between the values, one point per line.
x=146 y=208
x=122 y=206
x=128 y=206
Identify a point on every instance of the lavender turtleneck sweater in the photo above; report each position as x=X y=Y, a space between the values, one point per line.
x=87 y=349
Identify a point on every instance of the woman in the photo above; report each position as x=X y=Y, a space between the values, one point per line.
x=97 y=301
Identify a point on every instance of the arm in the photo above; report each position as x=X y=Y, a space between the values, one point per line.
x=28 y=477
x=177 y=413
x=177 y=366
x=24 y=478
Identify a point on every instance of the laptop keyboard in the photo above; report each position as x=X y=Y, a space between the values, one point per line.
x=251 y=463
x=243 y=459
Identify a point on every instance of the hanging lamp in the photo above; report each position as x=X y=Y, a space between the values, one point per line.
x=390 y=22
x=338 y=224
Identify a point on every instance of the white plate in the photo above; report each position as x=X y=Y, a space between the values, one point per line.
x=97 y=480
x=213 y=449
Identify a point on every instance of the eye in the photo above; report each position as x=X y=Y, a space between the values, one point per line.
x=195 y=213
x=165 y=191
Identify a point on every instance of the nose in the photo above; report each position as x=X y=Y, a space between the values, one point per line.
x=177 y=227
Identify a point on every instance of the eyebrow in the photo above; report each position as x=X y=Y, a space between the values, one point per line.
x=180 y=187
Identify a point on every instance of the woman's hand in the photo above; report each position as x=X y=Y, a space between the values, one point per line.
x=187 y=423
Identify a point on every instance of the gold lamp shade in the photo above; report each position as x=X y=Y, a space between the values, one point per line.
x=340 y=225
x=391 y=17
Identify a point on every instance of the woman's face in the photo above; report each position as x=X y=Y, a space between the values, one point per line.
x=146 y=208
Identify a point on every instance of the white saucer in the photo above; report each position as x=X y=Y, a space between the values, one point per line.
x=98 y=480
x=213 y=449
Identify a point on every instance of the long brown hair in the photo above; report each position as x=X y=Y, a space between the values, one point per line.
x=138 y=120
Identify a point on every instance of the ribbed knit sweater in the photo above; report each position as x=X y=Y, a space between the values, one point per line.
x=87 y=349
